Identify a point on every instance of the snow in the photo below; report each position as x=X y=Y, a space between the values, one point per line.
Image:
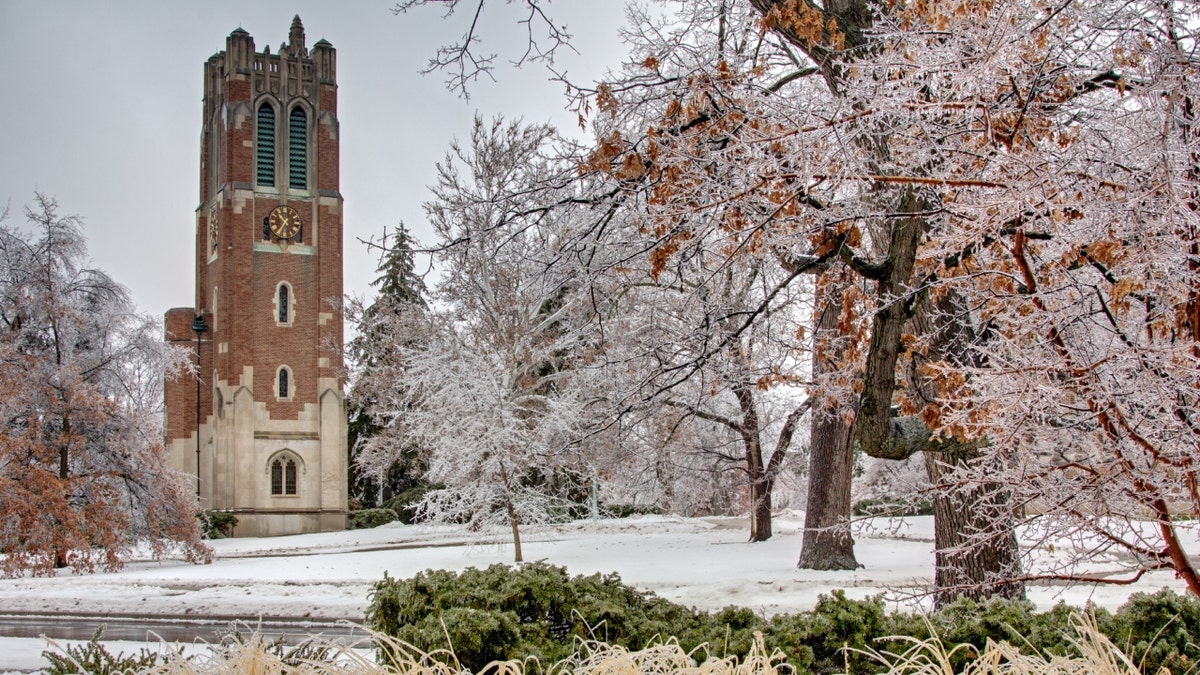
x=702 y=562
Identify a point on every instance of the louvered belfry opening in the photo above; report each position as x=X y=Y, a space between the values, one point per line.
x=298 y=149
x=266 y=145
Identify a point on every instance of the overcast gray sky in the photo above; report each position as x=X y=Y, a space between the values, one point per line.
x=102 y=101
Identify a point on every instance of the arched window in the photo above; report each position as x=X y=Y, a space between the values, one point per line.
x=283 y=386
x=283 y=303
x=284 y=309
x=266 y=145
x=298 y=149
x=283 y=476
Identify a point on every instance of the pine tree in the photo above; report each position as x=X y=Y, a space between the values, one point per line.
x=401 y=292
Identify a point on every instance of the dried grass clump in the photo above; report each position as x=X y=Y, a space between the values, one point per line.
x=668 y=658
x=1097 y=656
x=255 y=655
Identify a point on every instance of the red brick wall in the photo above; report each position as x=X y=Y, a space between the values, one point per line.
x=180 y=391
x=245 y=279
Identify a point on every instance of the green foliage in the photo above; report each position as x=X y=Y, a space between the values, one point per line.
x=405 y=503
x=815 y=640
x=368 y=518
x=537 y=610
x=401 y=290
x=216 y=524
x=1157 y=630
x=629 y=510
x=91 y=658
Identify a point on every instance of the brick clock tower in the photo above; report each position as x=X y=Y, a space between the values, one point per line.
x=263 y=430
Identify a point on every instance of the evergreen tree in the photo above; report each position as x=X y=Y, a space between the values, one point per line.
x=401 y=294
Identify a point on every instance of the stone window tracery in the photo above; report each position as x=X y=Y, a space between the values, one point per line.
x=284 y=481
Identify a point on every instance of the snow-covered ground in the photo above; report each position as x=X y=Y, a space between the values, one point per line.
x=706 y=563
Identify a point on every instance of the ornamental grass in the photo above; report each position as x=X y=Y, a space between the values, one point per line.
x=255 y=655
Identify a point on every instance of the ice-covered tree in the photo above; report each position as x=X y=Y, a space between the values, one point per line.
x=661 y=328
x=999 y=202
x=488 y=391
x=1081 y=262
x=83 y=472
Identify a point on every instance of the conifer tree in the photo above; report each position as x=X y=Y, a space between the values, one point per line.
x=400 y=292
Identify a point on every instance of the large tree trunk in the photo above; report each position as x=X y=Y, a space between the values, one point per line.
x=760 y=509
x=977 y=552
x=756 y=471
x=978 y=517
x=827 y=543
x=977 y=555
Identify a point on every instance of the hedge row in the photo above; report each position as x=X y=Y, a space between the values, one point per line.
x=538 y=610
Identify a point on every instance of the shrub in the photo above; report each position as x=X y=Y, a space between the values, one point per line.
x=814 y=641
x=367 y=518
x=234 y=641
x=405 y=503
x=537 y=610
x=256 y=654
x=1157 y=630
x=93 y=659
x=628 y=510
x=216 y=524
x=1095 y=653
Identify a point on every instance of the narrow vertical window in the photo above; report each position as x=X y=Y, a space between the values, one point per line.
x=283 y=383
x=266 y=145
x=283 y=303
x=277 y=477
x=298 y=149
x=289 y=477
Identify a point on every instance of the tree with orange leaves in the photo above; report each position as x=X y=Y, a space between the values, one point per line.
x=83 y=474
x=1000 y=200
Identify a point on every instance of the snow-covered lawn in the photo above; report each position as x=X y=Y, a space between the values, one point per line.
x=706 y=563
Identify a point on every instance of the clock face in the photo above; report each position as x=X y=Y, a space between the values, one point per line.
x=284 y=222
